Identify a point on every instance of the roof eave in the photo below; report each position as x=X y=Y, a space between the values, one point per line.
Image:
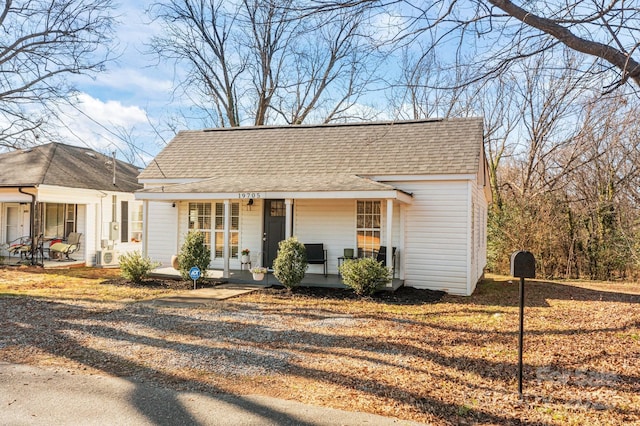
x=394 y=194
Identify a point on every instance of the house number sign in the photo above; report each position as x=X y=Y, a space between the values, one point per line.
x=247 y=195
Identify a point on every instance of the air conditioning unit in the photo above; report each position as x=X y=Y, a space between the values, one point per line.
x=107 y=258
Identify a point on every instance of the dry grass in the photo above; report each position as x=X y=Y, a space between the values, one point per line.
x=74 y=283
x=451 y=362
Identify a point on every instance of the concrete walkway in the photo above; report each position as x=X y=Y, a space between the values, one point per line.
x=37 y=396
x=203 y=296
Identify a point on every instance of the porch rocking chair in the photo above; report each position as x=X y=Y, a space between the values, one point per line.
x=66 y=248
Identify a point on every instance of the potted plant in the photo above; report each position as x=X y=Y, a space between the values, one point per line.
x=245 y=256
x=258 y=273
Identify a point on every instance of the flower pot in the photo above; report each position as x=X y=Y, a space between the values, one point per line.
x=258 y=276
x=245 y=258
x=174 y=262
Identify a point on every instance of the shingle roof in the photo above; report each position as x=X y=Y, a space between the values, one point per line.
x=65 y=165
x=391 y=148
x=320 y=182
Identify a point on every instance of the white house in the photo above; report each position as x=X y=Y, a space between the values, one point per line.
x=51 y=190
x=420 y=187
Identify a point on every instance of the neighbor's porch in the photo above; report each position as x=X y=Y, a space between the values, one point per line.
x=244 y=276
x=47 y=263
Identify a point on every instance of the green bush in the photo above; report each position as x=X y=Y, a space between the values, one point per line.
x=291 y=264
x=364 y=276
x=135 y=267
x=194 y=252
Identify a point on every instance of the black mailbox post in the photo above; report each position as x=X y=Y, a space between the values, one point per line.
x=523 y=265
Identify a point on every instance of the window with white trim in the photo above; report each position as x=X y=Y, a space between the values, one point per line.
x=200 y=220
x=59 y=219
x=234 y=230
x=368 y=219
x=135 y=224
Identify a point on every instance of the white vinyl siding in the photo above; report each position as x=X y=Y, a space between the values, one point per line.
x=333 y=223
x=251 y=234
x=330 y=222
x=436 y=236
x=161 y=241
x=440 y=235
x=479 y=243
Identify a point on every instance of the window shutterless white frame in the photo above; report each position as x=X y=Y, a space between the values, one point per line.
x=368 y=226
x=234 y=230
x=200 y=220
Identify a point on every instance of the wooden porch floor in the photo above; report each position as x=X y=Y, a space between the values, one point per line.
x=244 y=276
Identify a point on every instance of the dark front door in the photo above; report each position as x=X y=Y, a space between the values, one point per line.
x=274 y=224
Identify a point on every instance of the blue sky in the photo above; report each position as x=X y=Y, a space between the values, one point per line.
x=132 y=96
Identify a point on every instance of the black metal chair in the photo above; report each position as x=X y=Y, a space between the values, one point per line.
x=381 y=256
x=317 y=255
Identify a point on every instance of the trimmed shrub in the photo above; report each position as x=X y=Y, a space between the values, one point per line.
x=135 y=267
x=364 y=276
x=194 y=252
x=291 y=264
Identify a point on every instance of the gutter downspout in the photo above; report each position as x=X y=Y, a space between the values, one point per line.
x=32 y=224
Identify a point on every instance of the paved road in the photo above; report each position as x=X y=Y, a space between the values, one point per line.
x=37 y=396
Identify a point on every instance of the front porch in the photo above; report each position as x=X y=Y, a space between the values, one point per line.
x=243 y=276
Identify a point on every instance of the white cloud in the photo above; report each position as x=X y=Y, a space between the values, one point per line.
x=100 y=125
x=112 y=112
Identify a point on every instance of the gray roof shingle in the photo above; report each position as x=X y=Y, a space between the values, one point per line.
x=320 y=182
x=68 y=166
x=421 y=147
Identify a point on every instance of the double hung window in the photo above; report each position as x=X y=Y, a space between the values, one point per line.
x=200 y=220
x=368 y=220
x=234 y=230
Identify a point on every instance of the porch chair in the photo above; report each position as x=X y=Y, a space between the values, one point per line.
x=317 y=255
x=381 y=256
x=66 y=248
x=20 y=247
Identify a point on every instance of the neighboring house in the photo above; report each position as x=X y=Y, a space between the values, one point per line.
x=54 y=189
x=419 y=186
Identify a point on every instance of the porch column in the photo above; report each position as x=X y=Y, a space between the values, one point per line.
x=389 y=242
x=145 y=227
x=288 y=217
x=225 y=249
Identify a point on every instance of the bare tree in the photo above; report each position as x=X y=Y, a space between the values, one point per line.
x=551 y=108
x=417 y=94
x=491 y=35
x=44 y=41
x=607 y=30
x=200 y=33
x=602 y=194
x=330 y=69
x=261 y=61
